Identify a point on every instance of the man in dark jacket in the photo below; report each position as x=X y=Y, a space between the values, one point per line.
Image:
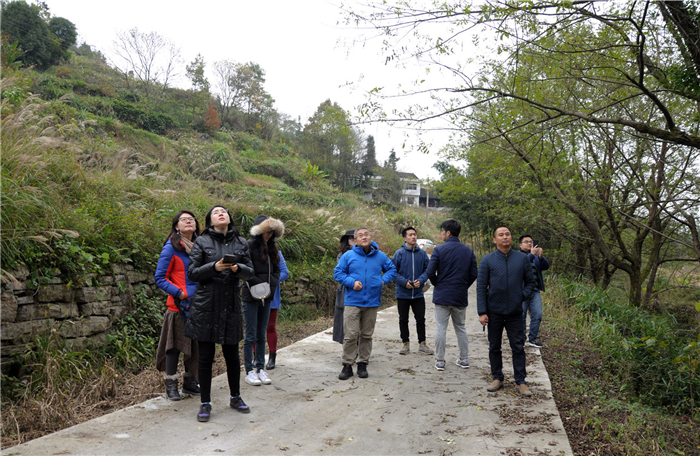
x=539 y=263
x=452 y=270
x=363 y=271
x=411 y=274
x=499 y=297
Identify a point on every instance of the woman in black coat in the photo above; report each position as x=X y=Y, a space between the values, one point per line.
x=216 y=315
x=266 y=263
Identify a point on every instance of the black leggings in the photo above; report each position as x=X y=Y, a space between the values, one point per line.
x=233 y=368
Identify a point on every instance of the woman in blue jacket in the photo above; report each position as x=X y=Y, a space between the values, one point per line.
x=171 y=277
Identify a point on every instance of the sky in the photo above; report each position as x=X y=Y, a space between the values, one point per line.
x=308 y=53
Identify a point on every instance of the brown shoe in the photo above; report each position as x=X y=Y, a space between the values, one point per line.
x=495 y=386
x=523 y=389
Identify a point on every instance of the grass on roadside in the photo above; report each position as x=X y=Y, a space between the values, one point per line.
x=601 y=414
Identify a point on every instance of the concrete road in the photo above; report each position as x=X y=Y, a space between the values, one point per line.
x=405 y=406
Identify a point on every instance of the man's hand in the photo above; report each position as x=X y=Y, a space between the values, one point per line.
x=537 y=251
x=483 y=319
x=409 y=284
x=182 y=295
x=357 y=286
x=416 y=284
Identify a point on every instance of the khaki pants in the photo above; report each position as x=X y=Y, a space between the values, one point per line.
x=358 y=322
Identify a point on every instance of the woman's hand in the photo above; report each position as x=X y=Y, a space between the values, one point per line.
x=221 y=266
x=182 y=296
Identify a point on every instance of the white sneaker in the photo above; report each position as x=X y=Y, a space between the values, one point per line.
x=262 y=375
x=252 y=379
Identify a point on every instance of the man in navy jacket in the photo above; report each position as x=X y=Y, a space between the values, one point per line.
x=363 y=271
x=452 y=270
x=505 y=281
x=539 y=263
x=411 y=274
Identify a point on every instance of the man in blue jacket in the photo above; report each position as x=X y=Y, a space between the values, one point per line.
x=505 y=281
x=539 y=263
x=411 y=274
x=452 y=270
x=363 y=271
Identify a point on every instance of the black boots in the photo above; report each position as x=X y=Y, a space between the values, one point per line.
x=346 y=373
x=171 y=388
x=190 y=385
x=271 y=361
x=362 y=370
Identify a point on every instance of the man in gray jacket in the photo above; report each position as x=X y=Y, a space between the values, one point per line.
x=505 y=280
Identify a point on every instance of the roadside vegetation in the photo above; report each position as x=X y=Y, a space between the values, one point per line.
x=625 y=381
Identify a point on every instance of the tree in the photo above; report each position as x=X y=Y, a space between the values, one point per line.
x=26 y=25
x=392 y=160
x=211 y=119
x=200 y=85
x=148 y=62
x=330 y=140
x=596 y=103
x=65 y=31
x=369 y=163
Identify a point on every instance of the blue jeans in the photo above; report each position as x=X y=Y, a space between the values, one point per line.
x=511 y=323
x=535 y=306
x=256 y=318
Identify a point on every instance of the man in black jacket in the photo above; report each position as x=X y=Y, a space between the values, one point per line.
x=505 y=281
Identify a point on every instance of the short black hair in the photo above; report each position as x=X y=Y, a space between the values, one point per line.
x=499 y=226
x=405 y=230
x=520 y=239
x=452 y=226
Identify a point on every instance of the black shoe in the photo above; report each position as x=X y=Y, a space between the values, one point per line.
x=171 y=390
x=271 y=361
x=204 y=412
x=362 y=370
x=346 y=373
x=535 y=343
x=190 y=386
x=238 y=404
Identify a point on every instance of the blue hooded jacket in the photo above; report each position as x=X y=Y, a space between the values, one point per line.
x=452 y=269
x=499 y=288
x=373 y=270
x=411 y=264
x=284 y=275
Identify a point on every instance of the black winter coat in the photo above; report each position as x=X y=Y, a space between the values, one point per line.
x=216 y=314
x=261 y=268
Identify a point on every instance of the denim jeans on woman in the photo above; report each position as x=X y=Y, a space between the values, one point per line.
x=256 y=318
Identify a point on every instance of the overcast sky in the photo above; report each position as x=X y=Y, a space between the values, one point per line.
x=303 y=46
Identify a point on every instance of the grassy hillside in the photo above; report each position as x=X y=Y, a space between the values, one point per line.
x=82 y=188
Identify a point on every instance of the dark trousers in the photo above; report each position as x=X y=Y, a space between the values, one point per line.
x=207 y=351
x=514 y=328
x=418 y=306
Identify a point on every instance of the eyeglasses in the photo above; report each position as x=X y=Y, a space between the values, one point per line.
x=526 y=242
x=186 y=219
x=362 y=236
x=217 y=212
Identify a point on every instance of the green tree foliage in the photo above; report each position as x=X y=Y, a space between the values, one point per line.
x=586 y=110
x=200 y=95
x=43 y=44
x=244 y=104
x=334 y=144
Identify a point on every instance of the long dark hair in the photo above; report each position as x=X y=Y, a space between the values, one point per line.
x=231 y=226
x=266 y=249
x=174 y=236
x=345 y=243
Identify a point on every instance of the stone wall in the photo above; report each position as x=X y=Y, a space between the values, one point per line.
x=80 y=313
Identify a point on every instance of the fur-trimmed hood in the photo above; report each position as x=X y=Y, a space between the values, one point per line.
x=267 y=224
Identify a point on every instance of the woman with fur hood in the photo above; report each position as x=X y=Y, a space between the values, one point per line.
x=256 y=312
